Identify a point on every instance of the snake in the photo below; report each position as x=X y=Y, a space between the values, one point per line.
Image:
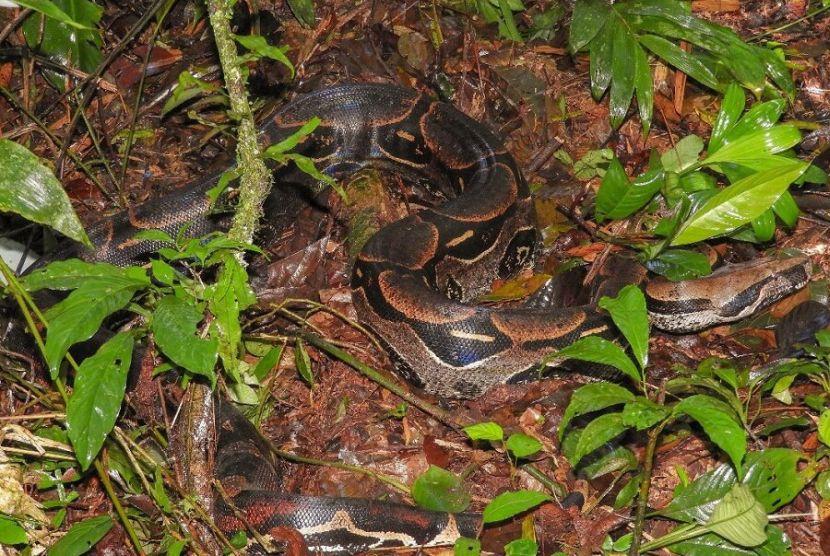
x=415 y=282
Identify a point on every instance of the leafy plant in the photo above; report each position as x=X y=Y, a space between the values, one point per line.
x=618 y=36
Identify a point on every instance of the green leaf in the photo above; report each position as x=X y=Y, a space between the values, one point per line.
x=595 y=434
x=589 y=16
x=823 y=485
x=80 y=315
x=81 y=537
x=521 y=547
x=681 y=60
x=290 y=143
x=777 y=544
x=440 y=490
x=467 y=547
x=774 y=476
x=174 y=327
x=757 y=144
x=786 y=209
x=303 y=362
x=696 y=501
x=74 y=273
x=49 y=9
x=74 y=46
x=511 y=503
x=683 y=155
x=522 y=445
x=718 y=422
x=612 y=189
x=618 y=203
x=680 y=264
x=259 y=46
x=740 y=518
x=622 y=84
x=97 y=395
x=30 y=189
x=599 y=350
x=642 y=413
x=187 y=88
x=601 y=60
x=11 y=532
x=593 y=397
x=644 y=87
x=269 y=361
x=485 y=431
x=628 y=311
x=303 y=10
x=627 y=493
x=618 y=458
x=732 y=106
x=737 y=204
x=226 y=299
x=824 y=427
x=764 y=226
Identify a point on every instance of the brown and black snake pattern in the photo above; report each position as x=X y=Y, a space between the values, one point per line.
x=412 y=284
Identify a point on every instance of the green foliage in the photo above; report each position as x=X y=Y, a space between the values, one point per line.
x=30 y=189
x=511 y=503
x=50 y=9
x=467 y=547
x=81 y=537
x=440 y=490
x=521 y=445
x=11 y=532
x=628 y=311
x=718 y=422
x=303 y=10
x=599 y=350
x=619 y=35
x=174 y=330
x=73 y=39
x=485 y=431
x=259 y=48
x=189 y=88
x=521 y=547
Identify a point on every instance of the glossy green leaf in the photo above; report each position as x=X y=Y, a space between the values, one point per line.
x=11 y=532
x=593 y=397
x=680 y=264
x=612 y=190
x=757 y=144
x=521 y=547
x=30 y=189
x=522 y=445
x=745 y=66
x=259 y=46
x=511 y=503
x=303 y=362
x=642 y=413
x=599 y=350
x=268 y=362
x=599 y=431
x=187 y=88
x=786 y=209
x=623 y=62
x=627 y=493
x=75 y=46
x=97 y=395
x=776 y=477
x=718 y=422
x=635 y=197
x=589 y=17
x=684 y=154
x=226 y=299
x=695 y=501
x=681 y=60
x=731 y=108
x=777 y=69
x=764 y=226
x=80 y=315
x=617 y=458
x=629 y=313
x=824 y=427
x=485 y=431
x=762 y=115
x=81 y=537
x=737 y=204
x=51 y=10
x=290 y=143
x=467 y=547
x=74 y=273
x=303 y=10
x=174 y=328
x=600 y=63
x=740 y=518
x=710 y=544
x=440 y=490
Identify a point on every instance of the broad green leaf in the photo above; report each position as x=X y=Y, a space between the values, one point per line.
x=269 y=361
x=73 y=46
x=521 y=547
x=786 y=209
x=467 y=547
x=627 y=493
x=303 y=10
x=644 y=87
x=823 y=485
x=680 y=59
x=718 y=422
x=600 y=62
x=774 y=476
x=80 y=315
x=599 y=431
x=522 y=445
x=680 y=264
x=757 y=144
x=764 y=226
x=303 y=362
x=187 y=88
x=81 y=537
x=745 y=66
x=628 y=311
x=30 y=189
x=259 y=46
x=174 y=328
x=227 y=298
x=777 y=69
x=485 y=431
x=695 y=502
x=49 y=9
x=731 y=108
x=74 y=273
x=642 y=413
x=623 y=63
x=97 y=395
x=762 y=115
x=740 y=518
x=290 y=142
x=507 y=23
x=683 y=155
x=635 y=197
x=710 y=544
x=11 y=532
x=593 y=397
x=824 y=427
x=440 y=490
x=589 y=16
x=618 y=458
x=599 y=350
x=613 y=188
x=508 y=504
x=737 y=204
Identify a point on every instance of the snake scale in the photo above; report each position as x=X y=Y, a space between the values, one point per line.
x=412 y=284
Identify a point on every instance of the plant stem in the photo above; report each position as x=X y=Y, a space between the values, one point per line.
x=645 y=485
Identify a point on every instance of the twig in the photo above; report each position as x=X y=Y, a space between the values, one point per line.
x=14 y=23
